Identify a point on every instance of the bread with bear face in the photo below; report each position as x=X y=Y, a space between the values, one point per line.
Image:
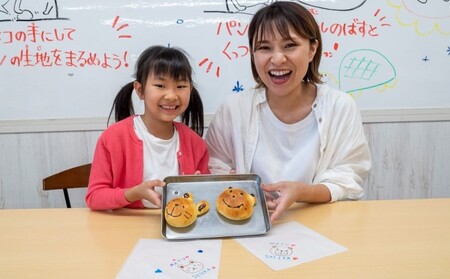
x=235 y=204
x=182 y=212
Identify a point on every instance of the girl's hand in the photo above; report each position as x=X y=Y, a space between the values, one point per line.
x=145 y=190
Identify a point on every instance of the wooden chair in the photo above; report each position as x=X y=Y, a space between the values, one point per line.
x=77 y=177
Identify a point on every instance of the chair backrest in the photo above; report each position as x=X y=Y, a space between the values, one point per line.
x=77 y=177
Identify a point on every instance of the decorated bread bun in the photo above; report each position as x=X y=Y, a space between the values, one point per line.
x=182 y=212
x=235 y=204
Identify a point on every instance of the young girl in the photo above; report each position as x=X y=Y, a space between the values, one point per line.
x=133 y=155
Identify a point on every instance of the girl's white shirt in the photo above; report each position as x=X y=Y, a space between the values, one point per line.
x=286 y=152
x=160 y=156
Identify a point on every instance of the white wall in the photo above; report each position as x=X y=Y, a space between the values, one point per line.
x=410 y=160
x=26 y=158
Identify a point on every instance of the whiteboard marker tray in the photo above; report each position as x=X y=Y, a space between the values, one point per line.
x=212 y=224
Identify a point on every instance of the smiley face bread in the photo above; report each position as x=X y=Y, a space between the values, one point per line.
x=181 y=212
x=235 y=204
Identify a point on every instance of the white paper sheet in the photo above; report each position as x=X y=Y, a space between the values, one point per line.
x=159 y=258
x=290 y=244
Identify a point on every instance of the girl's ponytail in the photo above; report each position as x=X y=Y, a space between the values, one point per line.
x=123 y=104
x=193 y=115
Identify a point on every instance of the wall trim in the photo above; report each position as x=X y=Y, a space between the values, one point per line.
x=406 y=115
x=99 y=123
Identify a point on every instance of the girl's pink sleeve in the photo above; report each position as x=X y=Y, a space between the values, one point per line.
x=101 y=195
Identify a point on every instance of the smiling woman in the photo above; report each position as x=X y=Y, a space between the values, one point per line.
x=304 y=139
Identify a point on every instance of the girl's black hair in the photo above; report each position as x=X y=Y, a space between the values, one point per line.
x=160 y=60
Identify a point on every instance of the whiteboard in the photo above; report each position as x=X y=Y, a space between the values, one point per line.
x=68 y=58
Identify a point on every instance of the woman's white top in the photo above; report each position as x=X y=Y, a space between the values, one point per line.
x=286 y=152
x=344 y=159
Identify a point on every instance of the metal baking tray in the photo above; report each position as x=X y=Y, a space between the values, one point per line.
x=212 y=224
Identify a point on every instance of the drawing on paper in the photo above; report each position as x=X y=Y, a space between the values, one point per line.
x=191 y=266
x=281 y=251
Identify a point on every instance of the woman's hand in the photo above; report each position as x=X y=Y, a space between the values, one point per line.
x=281 y=195
x=145 y=190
